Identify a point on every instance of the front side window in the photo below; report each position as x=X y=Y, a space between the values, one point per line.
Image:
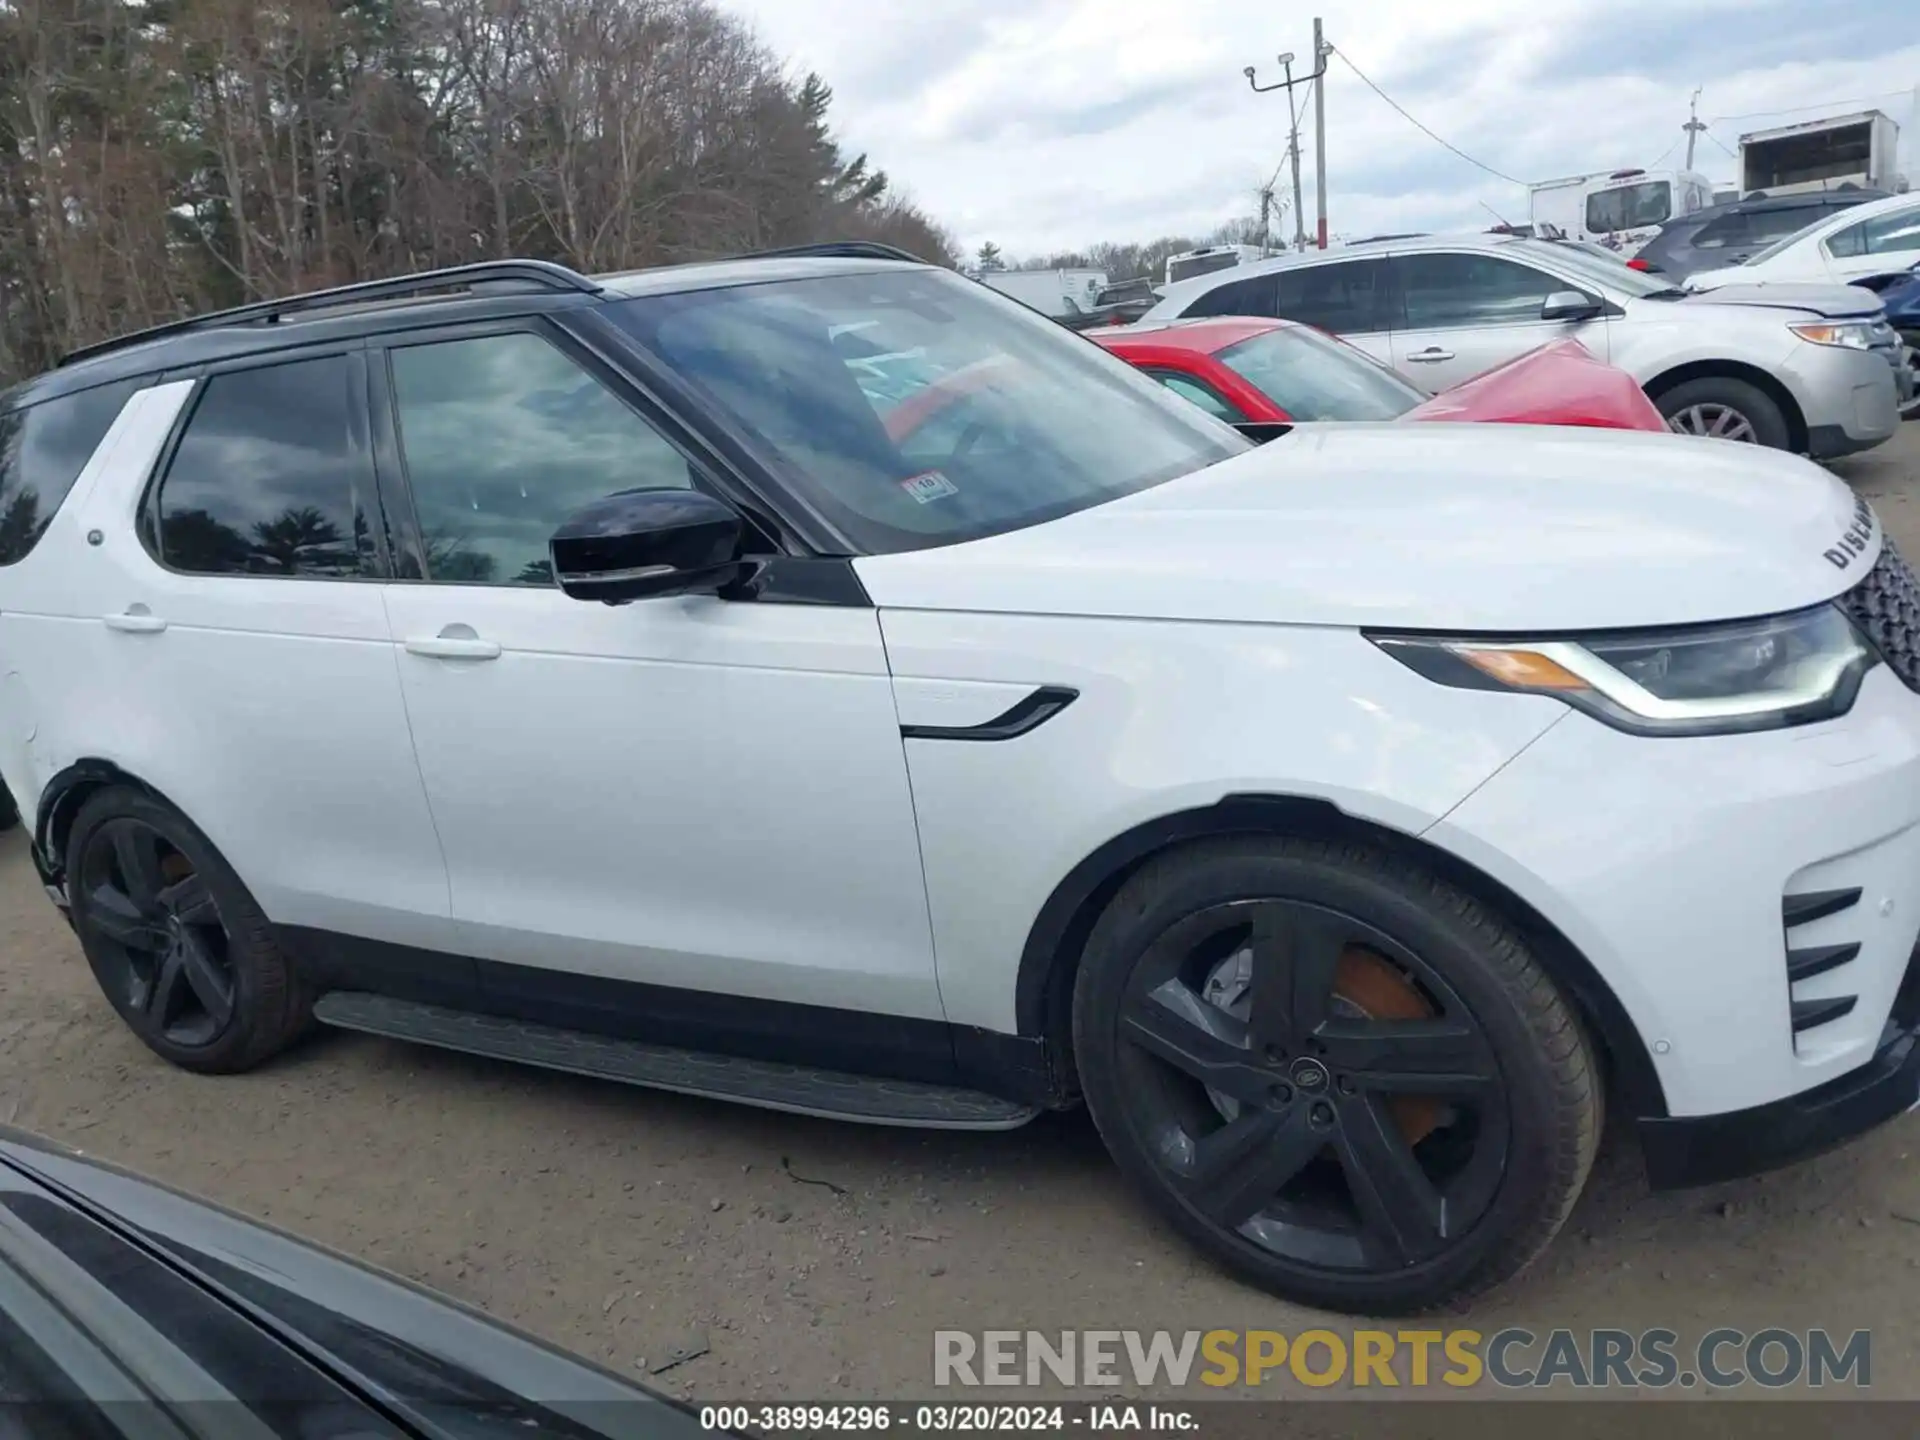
x=43 y=449
x=1198 y=392
x=1449 y=292
x=1630 y=207
x=1314 y=378
x=504 y=437
x=990 y=417
x=1341 y=299
x=1882 y=235
x=266 y=479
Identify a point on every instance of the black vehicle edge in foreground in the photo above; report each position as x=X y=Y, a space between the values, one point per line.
x=126 y=1305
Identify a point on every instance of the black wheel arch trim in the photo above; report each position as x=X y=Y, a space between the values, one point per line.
x=1020 y=719
x=1043 y=993
x=60 y=801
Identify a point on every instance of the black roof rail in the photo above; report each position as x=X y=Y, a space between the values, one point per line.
x=540 y=274
x=842 y=250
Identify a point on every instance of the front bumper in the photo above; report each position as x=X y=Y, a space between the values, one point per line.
x=1849 y=398
x=1672 y=866
x=1704 y=1149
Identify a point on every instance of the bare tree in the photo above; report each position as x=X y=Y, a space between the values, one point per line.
x=161 y=157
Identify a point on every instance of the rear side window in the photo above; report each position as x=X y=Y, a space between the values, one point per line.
x=1239 y=297
x=1736 y=229
x=43 y=449
x=267 y=479
x=1340 y=299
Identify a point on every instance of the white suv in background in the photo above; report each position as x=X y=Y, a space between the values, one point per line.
x=1877 y=238
x=1814 y=369
x=595 y=673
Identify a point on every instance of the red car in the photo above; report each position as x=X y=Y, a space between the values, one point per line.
x=1276 y=371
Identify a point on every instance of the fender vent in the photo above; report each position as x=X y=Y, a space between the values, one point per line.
x=1805 y=959
x=1886 y=607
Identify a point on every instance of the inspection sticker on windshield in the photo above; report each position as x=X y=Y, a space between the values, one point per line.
x=929 y=485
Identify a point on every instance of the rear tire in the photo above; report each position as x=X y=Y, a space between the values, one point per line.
x=1718 y=406
x=1413 y=1136
x=177 y=944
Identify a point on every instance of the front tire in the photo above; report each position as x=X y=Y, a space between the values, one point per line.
x=1334 y=1072
x=174 y=939
x=1721 y=408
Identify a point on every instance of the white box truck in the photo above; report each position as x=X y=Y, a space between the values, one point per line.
x=1055 y=293
x=1860 y=149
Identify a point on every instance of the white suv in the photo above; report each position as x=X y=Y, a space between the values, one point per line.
x=599 y=674
x=1842 y=246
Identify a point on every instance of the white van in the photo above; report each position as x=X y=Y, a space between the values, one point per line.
x=1620 y=209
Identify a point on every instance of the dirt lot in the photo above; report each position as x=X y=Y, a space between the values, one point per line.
x=815 y=1259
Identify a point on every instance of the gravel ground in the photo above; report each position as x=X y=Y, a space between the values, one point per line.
x=814 y=1260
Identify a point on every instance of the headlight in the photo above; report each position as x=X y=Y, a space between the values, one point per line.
x=1701 y=680
x=1849 y=334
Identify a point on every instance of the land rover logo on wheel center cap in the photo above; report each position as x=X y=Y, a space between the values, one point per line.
x=1309 y=1074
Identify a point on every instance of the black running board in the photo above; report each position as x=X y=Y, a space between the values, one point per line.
x=767 y=1084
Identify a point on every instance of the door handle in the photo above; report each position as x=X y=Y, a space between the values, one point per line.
x=135 y=620
x=1432 y=355
x=454 y=642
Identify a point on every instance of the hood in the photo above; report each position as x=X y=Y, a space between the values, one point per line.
x=1828 y=302
x=1445 y=527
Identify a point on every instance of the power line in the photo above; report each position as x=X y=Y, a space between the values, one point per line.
x=1722 y=144
x=1498 y=175
x=1824 y=105
x=1663 y=155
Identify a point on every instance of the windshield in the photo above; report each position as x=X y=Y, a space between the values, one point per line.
x=1314 y=378
x=916 y=408
x=1794 y=239
x=1629 y=207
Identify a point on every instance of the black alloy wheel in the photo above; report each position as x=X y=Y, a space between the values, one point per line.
x=156 y=920
x=1287 y=1113
x=177 y=943
x=1348 y=1082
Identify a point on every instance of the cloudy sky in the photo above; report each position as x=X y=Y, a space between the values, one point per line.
x=1044 y=124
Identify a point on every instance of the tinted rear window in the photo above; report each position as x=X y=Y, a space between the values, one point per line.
x=267 y=480
x=43 y=449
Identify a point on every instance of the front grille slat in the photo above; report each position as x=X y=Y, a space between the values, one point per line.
x=1886 y=607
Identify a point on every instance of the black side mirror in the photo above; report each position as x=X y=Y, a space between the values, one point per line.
x=645 y=543
x=1569 y=305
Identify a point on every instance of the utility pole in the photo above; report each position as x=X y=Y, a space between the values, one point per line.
x=1320 y=133
x=1293 y=158
x=1293 y=133
x=1693 y=127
